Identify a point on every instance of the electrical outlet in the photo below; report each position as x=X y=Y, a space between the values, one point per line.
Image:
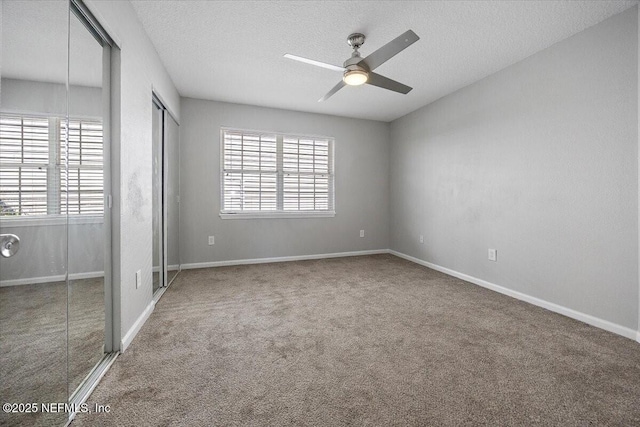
x=493 y=255
x=212 y=240
x=421 y=239
x=138 y=278
x=361 y=233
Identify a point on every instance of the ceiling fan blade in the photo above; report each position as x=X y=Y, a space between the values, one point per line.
x=332 y=91
x=390 y=50
x=387 y=83
x=313 y=62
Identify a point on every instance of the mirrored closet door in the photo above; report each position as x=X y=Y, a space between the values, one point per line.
x=166 y=197
x=55 y=234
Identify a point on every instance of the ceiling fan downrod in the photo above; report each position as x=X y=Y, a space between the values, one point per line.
x=355 y=40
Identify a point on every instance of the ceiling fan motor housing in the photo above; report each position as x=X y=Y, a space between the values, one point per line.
x=353 y=64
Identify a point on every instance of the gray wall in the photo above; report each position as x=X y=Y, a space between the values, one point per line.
x=43 y=252
x=25 y=96
x=140 y=72
x=362 y=193
x=539 y=161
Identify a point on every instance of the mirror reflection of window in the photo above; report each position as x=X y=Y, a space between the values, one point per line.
x=33 y=150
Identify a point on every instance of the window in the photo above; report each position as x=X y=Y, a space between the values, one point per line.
x=269 y=174
x=33 y=152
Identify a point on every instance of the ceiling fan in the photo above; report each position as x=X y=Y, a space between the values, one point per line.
x=357 y=70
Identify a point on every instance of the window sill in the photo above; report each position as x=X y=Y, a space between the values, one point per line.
x=12 y=221
x=277 y=215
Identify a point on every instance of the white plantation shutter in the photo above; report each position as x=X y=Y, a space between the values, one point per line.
x=268 y=172
x=24 y=161
x=250 y=172
x=307 y=179
x=33 y=180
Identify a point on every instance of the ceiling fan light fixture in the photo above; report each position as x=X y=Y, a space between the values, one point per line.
x=355 y=77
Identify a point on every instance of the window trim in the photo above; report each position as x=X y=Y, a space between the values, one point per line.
x=278 y=214
x=9 y=221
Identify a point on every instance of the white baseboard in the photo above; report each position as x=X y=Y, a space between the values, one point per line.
x=131 y=333
x=174 y=267
x=280 y=259
x=50 y=279
x=565 y=311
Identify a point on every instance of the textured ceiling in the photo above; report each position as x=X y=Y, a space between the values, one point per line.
x=232 y=51
x=34 y=44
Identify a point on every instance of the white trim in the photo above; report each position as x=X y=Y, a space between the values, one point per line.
x=51 y=279
x=9 y=221
x=271 y=215
x=87 y=275
x=638 y=119
x=131 y=333
x=277 y=133
x=280 y=259
x=565 y=311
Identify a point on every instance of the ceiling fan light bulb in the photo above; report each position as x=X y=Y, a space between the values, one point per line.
x=355 y=77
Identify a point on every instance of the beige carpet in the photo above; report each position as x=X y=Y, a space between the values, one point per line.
x=370 y=340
